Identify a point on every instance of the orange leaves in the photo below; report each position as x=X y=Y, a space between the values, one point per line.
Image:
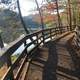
x=49 y=18
x=51 y=6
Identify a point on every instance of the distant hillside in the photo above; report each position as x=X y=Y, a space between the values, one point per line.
x=10 y=26
x=31 y=23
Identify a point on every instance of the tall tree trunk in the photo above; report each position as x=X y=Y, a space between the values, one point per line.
x=59 y=19
x=74 y=17
x=41 y=16
x=1 y=42
x=67 y=21
x=22 y=21
x=74 y=11
x=70 y=16
x=27 y=32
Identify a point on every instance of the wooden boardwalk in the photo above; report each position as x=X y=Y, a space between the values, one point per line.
x=56 y=60
x=53 y=57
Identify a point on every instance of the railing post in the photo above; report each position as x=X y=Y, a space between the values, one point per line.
x=25 y=44
x=1 y=42
x=55 y=31
x=37 y=38
x=43 y=36
x=50 y=34
x=9 y=63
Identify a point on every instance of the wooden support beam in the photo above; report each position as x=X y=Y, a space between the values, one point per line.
x=1 y=42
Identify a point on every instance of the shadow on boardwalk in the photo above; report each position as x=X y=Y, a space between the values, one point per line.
x=49 y=71
x=51 y=67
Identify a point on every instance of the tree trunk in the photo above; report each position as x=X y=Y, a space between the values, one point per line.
x=59 y=19
x=27 y=32
x=41 y=17
x=22 y=21
x=1 y=42
x=70 y=16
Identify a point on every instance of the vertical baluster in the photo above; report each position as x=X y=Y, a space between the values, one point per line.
x=37 y=38
x=25 y=44
x=43 y=36
x=55 y=31
x=1 y=42
x=9 y=64
x=50 y=34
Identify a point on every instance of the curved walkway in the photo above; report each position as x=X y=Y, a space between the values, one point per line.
x=55 y=61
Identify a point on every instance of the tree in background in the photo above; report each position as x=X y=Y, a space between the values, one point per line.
x=40 y=13
x=59 y=19
x=76 y=20
x=1 y=41
x=74 y=11
x=22 y=18
x=70 y=14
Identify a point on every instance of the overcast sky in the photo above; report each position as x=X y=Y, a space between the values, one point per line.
x=28 y=5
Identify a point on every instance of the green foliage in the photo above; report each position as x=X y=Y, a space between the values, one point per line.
x=10 y=26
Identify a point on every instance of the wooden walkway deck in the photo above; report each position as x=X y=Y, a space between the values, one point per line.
x=56 y=60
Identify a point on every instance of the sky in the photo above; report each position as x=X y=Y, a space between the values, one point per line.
x=27 y=5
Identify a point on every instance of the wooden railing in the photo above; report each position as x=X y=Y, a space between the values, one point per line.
x=15 y=68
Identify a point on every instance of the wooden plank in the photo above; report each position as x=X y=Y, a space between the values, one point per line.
x=61 y=36
x=67 y=76
x=20 y=68
x=25 y=70
x=11 y=68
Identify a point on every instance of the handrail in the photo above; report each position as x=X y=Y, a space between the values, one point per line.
x=40 y=37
